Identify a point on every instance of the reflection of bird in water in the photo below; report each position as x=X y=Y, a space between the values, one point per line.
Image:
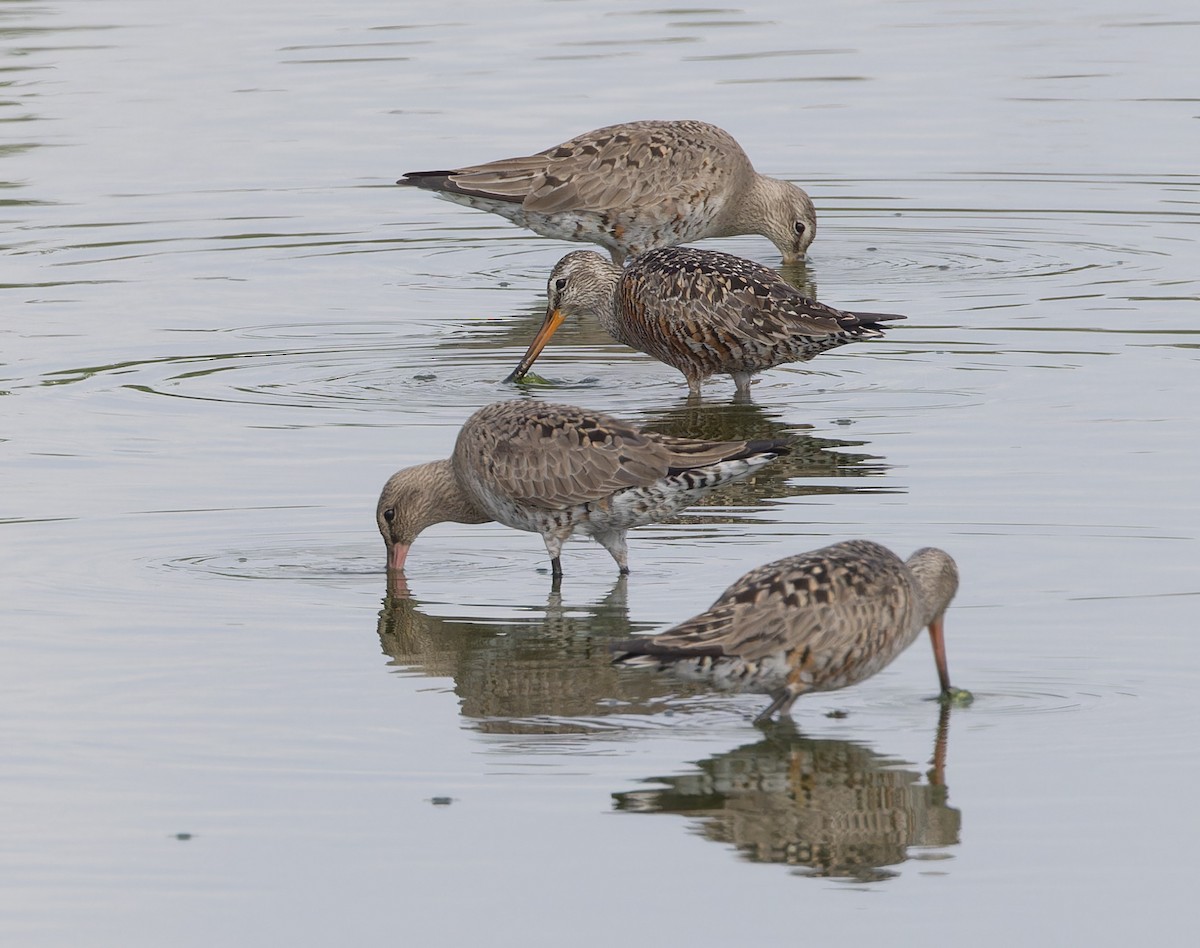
x=829 y=807
x=528 y=674
x=701 y=311
x=799 y=276
x=817 y=621
x=558 y=470
x=811 y=463
x=634 y=186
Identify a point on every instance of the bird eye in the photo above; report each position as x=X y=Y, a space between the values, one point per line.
x=560 y=284
x=390 y=514
x=799 y=227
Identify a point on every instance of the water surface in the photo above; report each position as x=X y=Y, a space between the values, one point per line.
x=225 y=327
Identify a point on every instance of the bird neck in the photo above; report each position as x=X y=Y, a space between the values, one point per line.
x=604 y=299
x=937 y=581
x=746 y=216
x=446 y=498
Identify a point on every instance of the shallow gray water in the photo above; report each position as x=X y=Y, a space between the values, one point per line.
x=223 y=327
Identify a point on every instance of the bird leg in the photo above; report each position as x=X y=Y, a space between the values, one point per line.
x=554 y=545
x=782 y=703
x=742 y=380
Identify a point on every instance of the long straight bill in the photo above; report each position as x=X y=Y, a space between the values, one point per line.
x=397 y=553
x=554 y=319
x=938 y=639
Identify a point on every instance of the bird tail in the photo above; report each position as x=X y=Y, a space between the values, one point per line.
x=867 y=324
x=690 y=454
x=646 y=651
x=429 y=180
x=776 y=447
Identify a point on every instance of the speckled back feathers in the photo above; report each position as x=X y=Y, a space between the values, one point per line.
x=634 y=186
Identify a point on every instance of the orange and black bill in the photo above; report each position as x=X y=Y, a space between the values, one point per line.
x=554 y=319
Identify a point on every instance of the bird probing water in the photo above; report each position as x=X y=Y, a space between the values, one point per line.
x=557 y=470
x=701 y=311
x=633 y=187
x=818 y=621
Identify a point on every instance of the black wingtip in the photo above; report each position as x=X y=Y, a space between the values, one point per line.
x=429 y=180
x=752 y=449
x=870 y=319
x=636 y=648
x=769 y=446
x=775 y=446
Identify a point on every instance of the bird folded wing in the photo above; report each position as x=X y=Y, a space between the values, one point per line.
x=558 y=459
x=625 y=170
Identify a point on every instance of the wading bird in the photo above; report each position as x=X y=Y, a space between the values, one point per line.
x=817 y=621
x=633 y=187
x=701 y=311
x=558 y=470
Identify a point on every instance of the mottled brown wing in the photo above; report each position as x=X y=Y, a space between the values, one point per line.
x=825 y=600
x=618 y=167
x=509 y=179
x=690 y=453
x=706 y=293
x=556 y=456
x=627 y=166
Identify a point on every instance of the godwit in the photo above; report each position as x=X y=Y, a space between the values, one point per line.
x=558 y=470
x=635 y=186
x=818 y=621
x=701 y=311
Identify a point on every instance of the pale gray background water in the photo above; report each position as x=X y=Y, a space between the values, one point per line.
x=223 y=327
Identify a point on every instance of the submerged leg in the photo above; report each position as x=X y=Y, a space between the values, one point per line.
x=782 y=703
x=742 y=381
x=554 y=546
